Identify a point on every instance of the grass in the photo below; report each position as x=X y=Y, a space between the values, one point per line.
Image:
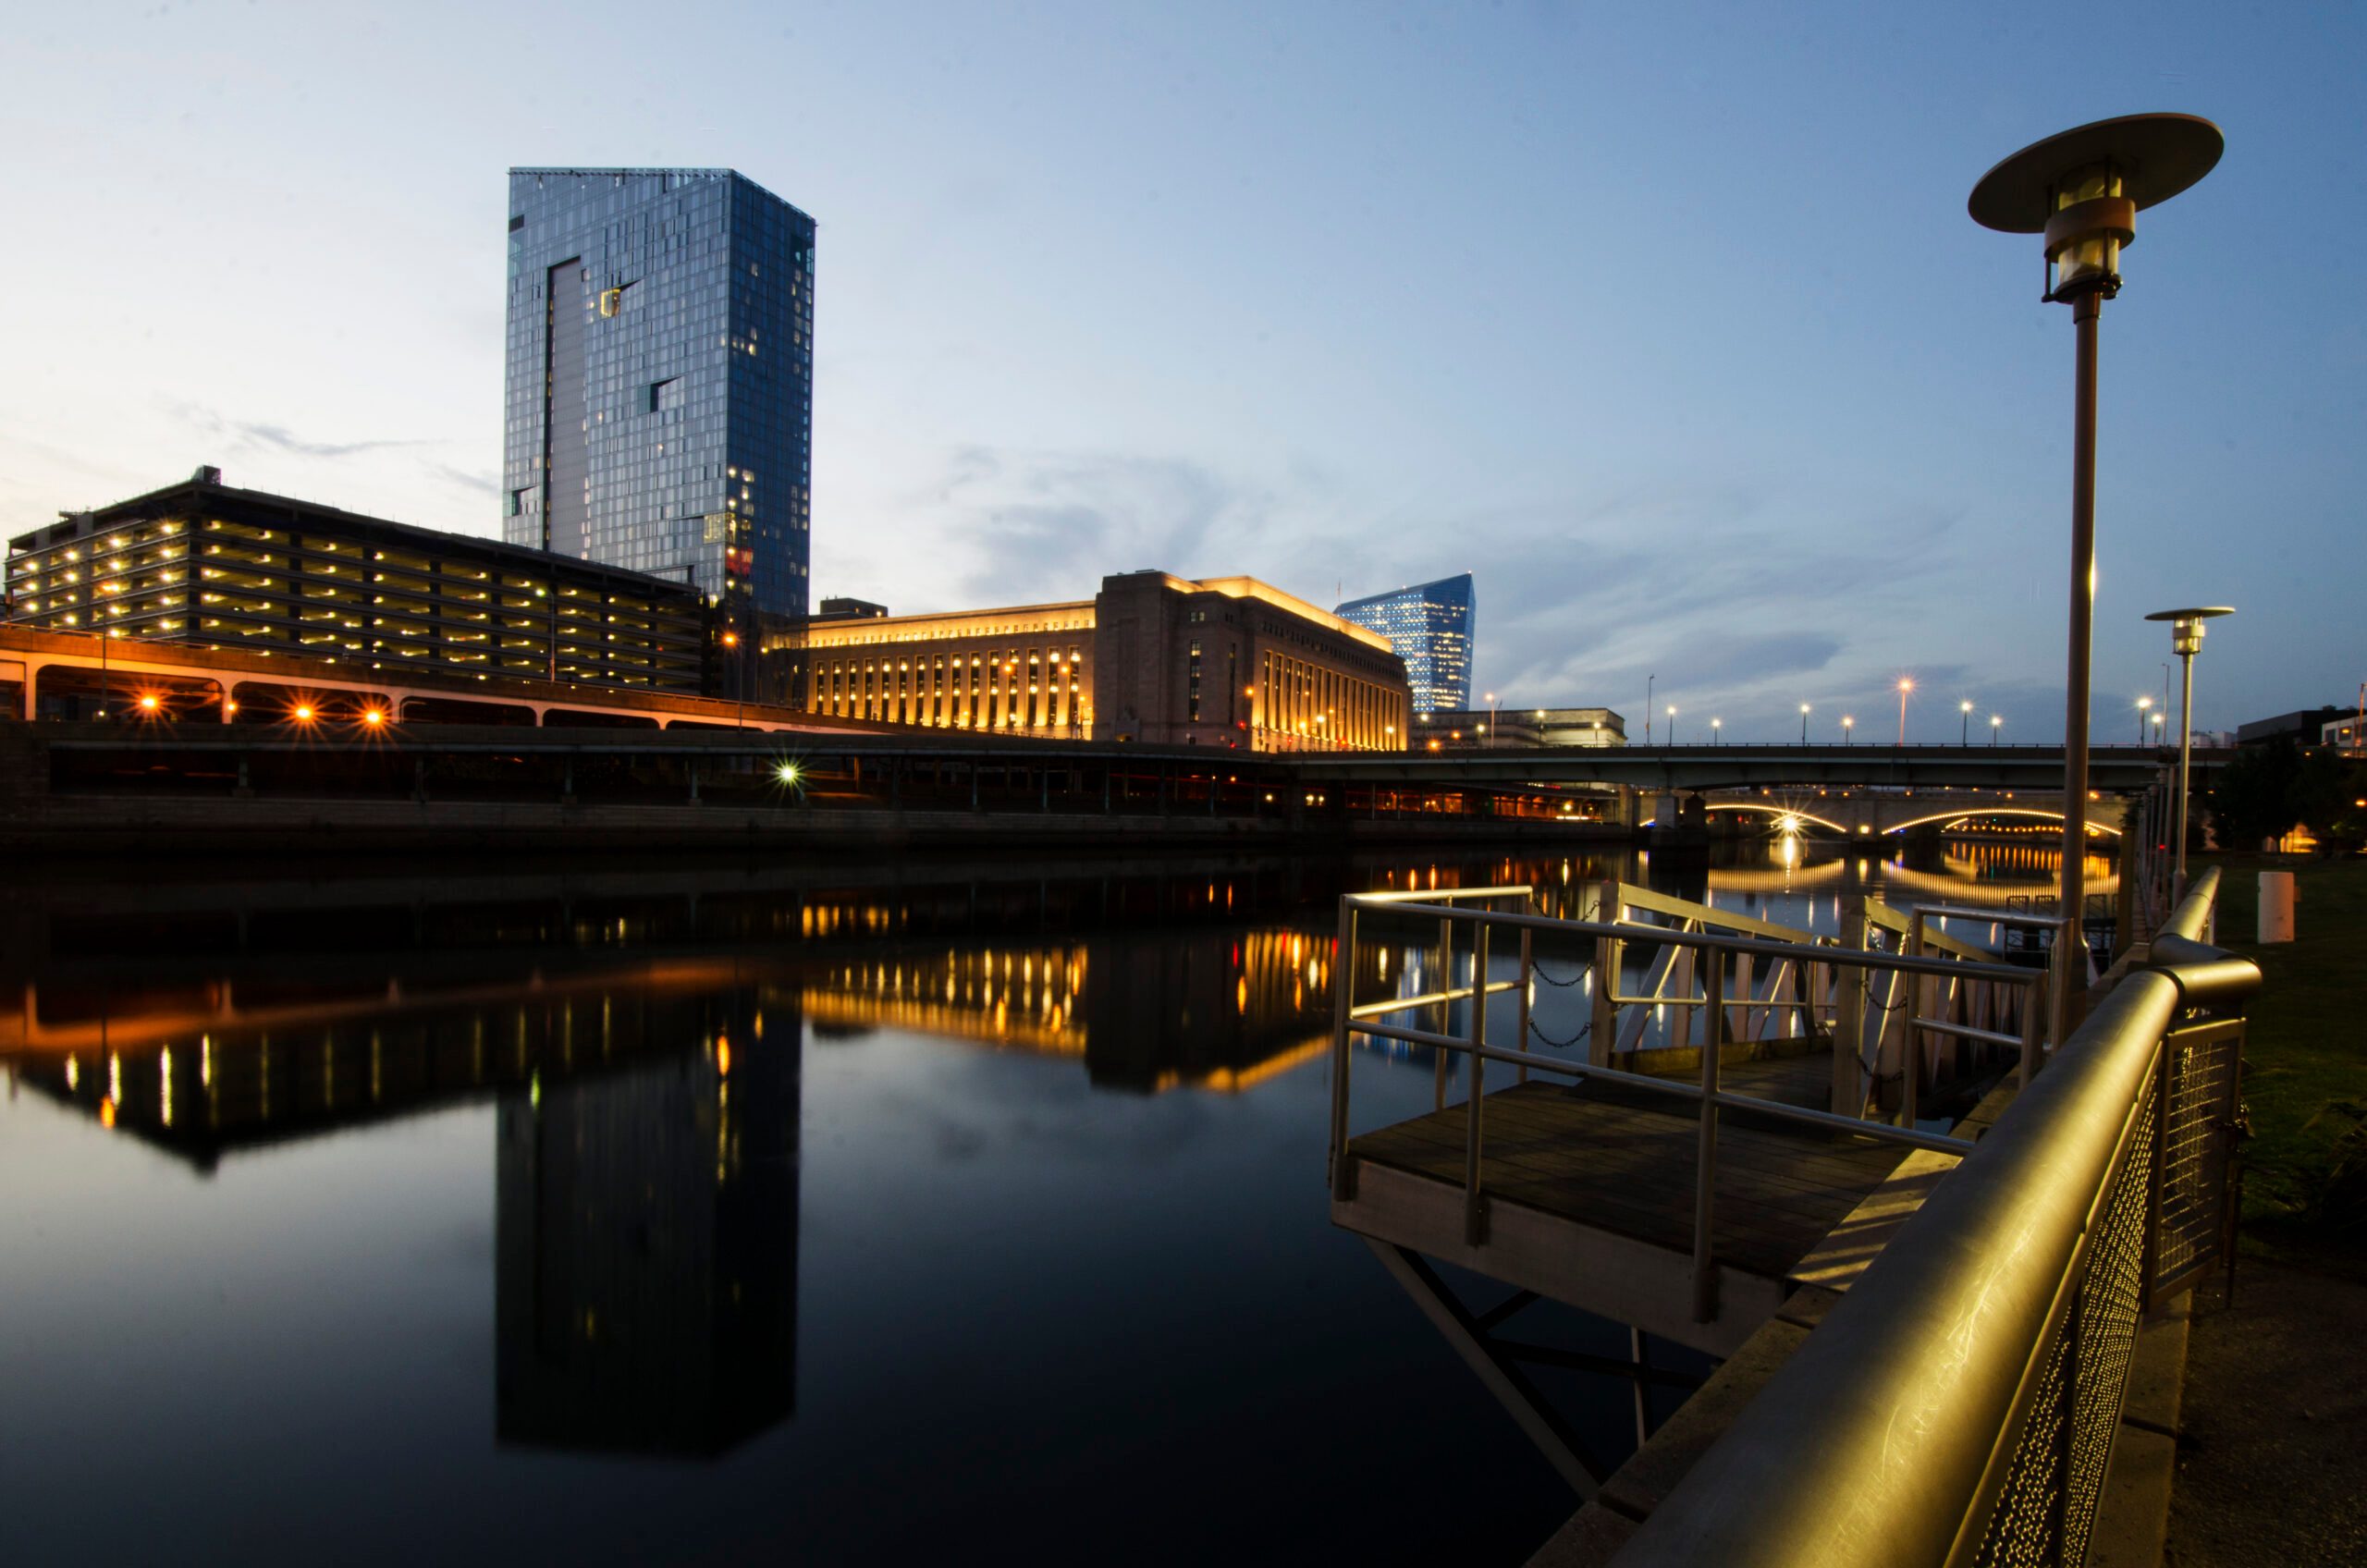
x=2306 y=1059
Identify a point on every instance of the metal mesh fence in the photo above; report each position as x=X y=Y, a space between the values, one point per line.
x=2195 y=1147
x=2056 y=1474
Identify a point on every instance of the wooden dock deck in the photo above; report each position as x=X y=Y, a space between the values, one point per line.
x=1590 y=1195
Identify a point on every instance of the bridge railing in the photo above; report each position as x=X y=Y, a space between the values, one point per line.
x=1961 y=1403
x=1716 y=960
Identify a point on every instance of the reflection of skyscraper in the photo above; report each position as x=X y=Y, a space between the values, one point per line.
x=645 y=1260
x=1430 y=625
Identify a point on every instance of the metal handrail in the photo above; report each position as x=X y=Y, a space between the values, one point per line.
x=1707 y=1096
x=1637 y=931
x=1890 y=1435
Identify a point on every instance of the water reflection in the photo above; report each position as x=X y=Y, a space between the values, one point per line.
x=645 y=1260
x=1052 y=1131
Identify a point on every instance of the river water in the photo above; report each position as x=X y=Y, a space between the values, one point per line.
x=835 y=1213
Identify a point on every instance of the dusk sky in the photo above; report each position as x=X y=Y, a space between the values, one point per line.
x=1665 y=322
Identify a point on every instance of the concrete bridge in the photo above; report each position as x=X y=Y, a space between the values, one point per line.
x=1867 y=812
x=1655 y=769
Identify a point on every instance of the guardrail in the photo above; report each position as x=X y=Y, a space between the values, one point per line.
x=1961 y=1404
x=1714 y=958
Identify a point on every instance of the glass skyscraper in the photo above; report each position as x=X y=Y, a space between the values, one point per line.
x=660 y=413
x=1430 y=625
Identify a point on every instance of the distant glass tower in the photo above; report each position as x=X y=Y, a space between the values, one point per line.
x=660 y=406
x=1430 y=625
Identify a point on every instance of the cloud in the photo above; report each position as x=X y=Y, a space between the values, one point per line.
x=254 y=435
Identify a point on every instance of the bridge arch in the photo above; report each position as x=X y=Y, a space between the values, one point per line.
x=1709 y=806
x=1961 y=813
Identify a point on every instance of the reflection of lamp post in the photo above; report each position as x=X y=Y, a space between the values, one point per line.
x=2081 y=190
x=1804 y=724
x=2186 y=641
x=1963 y=728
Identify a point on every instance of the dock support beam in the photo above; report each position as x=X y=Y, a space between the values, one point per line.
x=1496 y=1371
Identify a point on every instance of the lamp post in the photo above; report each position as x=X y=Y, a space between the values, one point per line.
x=1672 y=724
x=1647 y=707
x=2186 y=641
x=1905 y=686
x=1963 y=728
x=2144 y=705
x=2081 y=190
x=1492 y=724
x=1847 y=723
x=1996 y=722
x=1804 y=724
x=1715 y=725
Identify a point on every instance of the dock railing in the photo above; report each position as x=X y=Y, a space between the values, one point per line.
x=1961 y=1403
x=1708 y=956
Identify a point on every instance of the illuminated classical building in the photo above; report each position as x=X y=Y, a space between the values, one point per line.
x=1431 y=626
x=1227 y=662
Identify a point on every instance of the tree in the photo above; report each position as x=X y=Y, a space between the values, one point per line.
x=2254 y=796
x=2330 y=799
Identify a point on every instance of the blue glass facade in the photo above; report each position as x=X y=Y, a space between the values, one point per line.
x=659 y=411
x=1430 y=625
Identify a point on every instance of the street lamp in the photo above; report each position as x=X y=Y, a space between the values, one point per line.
x=2081 y=191
x=2159 y=718
x=2144 y=704
x=739 y=685
x=1672 y=724
x=1905 y=686
x=1491 y=717
x=2186 y=641
x=1996 y=721
x=1715 y=725
x=1847 y=723
x=1963 y=728
x=1647 y=707
x=1804 y=724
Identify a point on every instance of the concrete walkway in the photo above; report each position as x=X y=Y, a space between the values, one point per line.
x=2273 y=1437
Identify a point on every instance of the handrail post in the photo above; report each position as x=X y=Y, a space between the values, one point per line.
x=1528 y=961
x=1344 y=1185
x=1705 y=1177
x=1610 y=952
x=1911 y=1054
x=2035 y=1004
x=1446 y=1009
x=1474 y=1221
x=1850 y=986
